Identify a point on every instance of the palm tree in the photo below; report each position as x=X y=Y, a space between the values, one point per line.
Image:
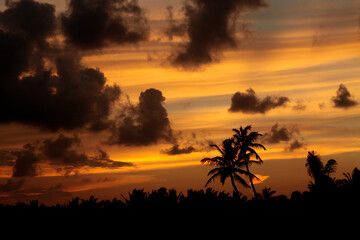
x=351 y=182
x=319 y=172
x=227 y=165
x=246 y=145
x=267 y=193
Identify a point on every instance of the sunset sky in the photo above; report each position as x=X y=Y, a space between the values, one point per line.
x=101 y=97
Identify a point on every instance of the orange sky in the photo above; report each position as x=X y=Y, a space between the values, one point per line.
x=299 y=49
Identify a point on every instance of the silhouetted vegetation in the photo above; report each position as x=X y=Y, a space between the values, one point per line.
x=343 y=198
x=236 y=154
x=246 y=145
x=325 y=195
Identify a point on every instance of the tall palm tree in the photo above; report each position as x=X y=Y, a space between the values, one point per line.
x=319 y=172
x=246 y=145
x=227 y=165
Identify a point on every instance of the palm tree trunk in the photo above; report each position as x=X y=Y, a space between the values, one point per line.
x=251 y=181
x=233 y=184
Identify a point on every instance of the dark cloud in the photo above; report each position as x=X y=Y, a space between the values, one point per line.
x=11 y=185
x=210 y=26
x=283 y=134
x=24 y=27
x=177 y=150
x=249 y=103
x=91 y=24
x=43 y=84
x=144 y=124
x=6 y=158
x=26 y=162
x=296 y=144
x=73 y=98
x=62 y=152
x=35 y=21
x=276 y=134
x=103 y=160
x=343 y=98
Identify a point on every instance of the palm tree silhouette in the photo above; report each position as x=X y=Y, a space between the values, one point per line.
x=319 y=172
x=246 y=145
x=351 y=183
x=352 y=179
x=267 y=193
x=227 y=165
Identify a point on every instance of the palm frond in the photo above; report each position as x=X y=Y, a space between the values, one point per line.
x=330 y=167
x=253 y=152
x=212 y=178
x=214 y=170
x=223 y=178
x=241 y=180
x=246 y=129
x=237 y=132
x=252 y=137
x=213 y=161
x=253 y=176
x=218 y=148
x=241 y=171
x=257 y=145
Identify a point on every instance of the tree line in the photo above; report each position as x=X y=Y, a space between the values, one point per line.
x=237 y=154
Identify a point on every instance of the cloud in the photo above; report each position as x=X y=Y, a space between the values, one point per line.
x=283 y=134
x=300 y=106
x=249 y=103
x=24 y=27
x=296 y=144
x=11 y=185
x=28 y=18
x=174 y=29
x=26 y=162
x=62 y=152
x=276 y=134
x=75 y=97
x=210 y=27
x=177 y=150
x=144 y=124
x=45 y=85
x=343 y=98
x=92 y=24
x=6 y=158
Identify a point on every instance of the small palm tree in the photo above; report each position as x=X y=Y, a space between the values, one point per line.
x=227 y=165
x=267 y=193
x=246 y=145
x=319 y=172
x=351 y=182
